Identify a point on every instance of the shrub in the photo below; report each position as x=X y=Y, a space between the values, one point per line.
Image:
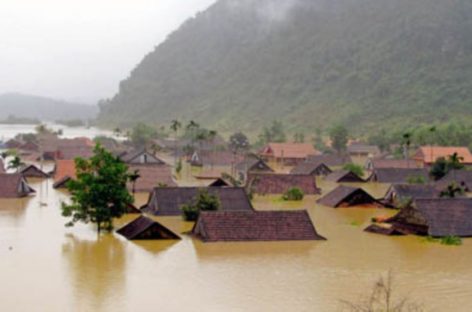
x=415 y=180
x=451 y=240
x=293 y=193
x=354 y=169
x=202 y=202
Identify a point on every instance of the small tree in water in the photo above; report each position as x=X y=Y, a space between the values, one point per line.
x=203 y=202
x=99 y=193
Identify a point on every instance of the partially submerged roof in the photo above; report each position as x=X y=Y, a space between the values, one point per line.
x=412 y=191
x=362 y=148
x=346 y=196
x=398 y=175
x=141 y=157
x=289 y=150
x=311 y=168
x=151 y=176
x=275 y=183
x=167 y=201
x=377 y=163
x=32 y=171
x=63 y=172
x=460 y=177
x=214 y=158
x=436 y=217
x=253 y=163
x=344 y=176
x=217 y=226
x=330 y=160
x=13 y=186
x=429 y=154
x=144 y=228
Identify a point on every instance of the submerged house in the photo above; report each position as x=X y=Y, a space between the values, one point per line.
x=221 y=226
x=311 y=168
x=378 y=163
x=214 y=158
x=346 y=196
x=251 y=163
x=63 y=172
x=436 y=217
x=144 y=228
x=53 y=148
x=32 y=171
x=275 y=183
x=14 y=186
x=426 y=155
x=461 y=178
x=167 y=201
x=150 y=176
x=330 y=160
x=359 y=149
x=344 y=176
x=399 y=192
x=141 y=157
x=398 y=175
x=287 y=153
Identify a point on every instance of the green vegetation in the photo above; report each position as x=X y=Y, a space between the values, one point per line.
x=239 y=142
x=366 y=64
x=354 y=168
x=442 y=166
x=99 y=193
x=15 y=163
x=338 y=136
x=416 y=180
x=453 y=190
x=275 y=133
x=449 y=240
x=294 y=193
x=203 y=202
x=142 y=134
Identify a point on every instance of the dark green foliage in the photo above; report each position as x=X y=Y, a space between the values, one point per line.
x=338 y=136
x=451 y=241
x=453 y=190
x=442 y=166
x=358 y=170
x=178 y=166
x=99 y=193
x=416 y=180
x=239 y=142
x=293 y=193
x=203 y=202
x=362 y=63
x=142 y=134
x=15 y=163
x=273 y=134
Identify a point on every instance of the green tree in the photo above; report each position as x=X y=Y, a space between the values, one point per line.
x=204 y=201
x=238 y=142
x=439 y=168
x=339 y=137
x=15 y=163
x=142 y=134
x=452 y=190
x=99 y=193
x=133 y=177
x=293 y=193
x=356 y=169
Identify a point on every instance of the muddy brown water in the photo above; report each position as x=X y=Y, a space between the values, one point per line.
x=47 y=267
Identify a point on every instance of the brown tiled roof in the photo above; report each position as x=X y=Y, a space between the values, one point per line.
x=330 y=160
x=32 y=171
x=64 y=168
x=53 y=147
x=440 y=217
x=253 y=163
x=289 y=150
x=274 y=183
x=217 y=226
x=393 y=163
x=430 y=154
x=151 y=176
x=144 y=228
x=167 y=201
x=397 y=175
x=215 y=158
x=311 y=168
x=134 y=158
x=344 y=176
x=72 y=152
x=13 y=186
x=346 y=196
x=412 y=191
x=460 y=177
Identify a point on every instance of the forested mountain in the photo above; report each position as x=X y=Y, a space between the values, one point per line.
x=43 y=109
x=311 y=63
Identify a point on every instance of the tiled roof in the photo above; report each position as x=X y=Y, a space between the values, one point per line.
x=343 y=176
x=430 y=154
x=144 y=228
x=151 y=176
x=397 y=175
x=346 y=196
x=255 y=226
x=13 y=186
x=289 y=150
x=274 y=183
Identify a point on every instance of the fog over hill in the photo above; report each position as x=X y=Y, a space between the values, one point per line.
x=312 y=63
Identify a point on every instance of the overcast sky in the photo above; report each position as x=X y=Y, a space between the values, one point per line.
x=81 y=49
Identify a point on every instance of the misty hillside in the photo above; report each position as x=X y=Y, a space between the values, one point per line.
x=311 y=63
x=44 y=109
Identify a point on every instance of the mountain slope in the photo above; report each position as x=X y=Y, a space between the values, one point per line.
x=311 y=63
x=44 y=109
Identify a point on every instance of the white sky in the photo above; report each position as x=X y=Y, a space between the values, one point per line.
x=81 y=49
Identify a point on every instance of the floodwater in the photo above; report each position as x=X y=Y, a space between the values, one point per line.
x=10 y=131
x=47 y=267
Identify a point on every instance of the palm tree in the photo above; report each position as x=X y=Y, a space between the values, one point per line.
x=406 y=144
x=15 y=163
x=192 y=127
x=133 y=177
x=175 y=126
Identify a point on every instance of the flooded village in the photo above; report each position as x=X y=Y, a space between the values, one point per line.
x=293 y=228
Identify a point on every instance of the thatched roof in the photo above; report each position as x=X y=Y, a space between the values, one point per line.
x=311 y=168
x=13 y=186
x=144 y=228
x=397 y=175
x=274 y=183
x=255 y=226
x=330 y=160
x=436 y=217
x=346 y=196
x=460 y=177
x=151 y=176
x=344 y=176
x=32 y=171
x=167 y=201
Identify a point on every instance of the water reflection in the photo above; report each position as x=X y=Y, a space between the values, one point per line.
x=97 y=271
